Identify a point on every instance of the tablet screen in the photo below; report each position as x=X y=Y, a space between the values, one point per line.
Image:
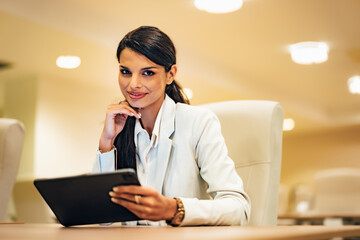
x=85 y=199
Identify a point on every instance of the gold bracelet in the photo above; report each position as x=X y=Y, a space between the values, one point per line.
x=179 y=215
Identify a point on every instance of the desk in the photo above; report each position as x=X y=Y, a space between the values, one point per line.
x=96 y=232
x=321 y=218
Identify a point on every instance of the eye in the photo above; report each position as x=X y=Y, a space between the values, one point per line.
x=148 y=73
x=124 y=71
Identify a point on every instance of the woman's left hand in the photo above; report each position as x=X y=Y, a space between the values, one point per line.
x=144 y=202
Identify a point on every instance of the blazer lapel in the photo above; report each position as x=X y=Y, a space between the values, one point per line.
x=165 y=142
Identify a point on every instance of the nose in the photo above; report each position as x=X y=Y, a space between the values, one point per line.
x=135 y=82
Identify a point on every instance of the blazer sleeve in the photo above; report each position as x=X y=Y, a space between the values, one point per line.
x=230 y=205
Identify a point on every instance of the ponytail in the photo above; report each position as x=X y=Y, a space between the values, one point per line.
x=176 y=93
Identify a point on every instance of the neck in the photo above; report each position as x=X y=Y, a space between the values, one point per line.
x=148 y=117
x=148 y=120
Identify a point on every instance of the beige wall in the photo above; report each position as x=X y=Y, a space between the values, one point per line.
x=68 y=125
x=18 y=101
x=2 y=97
x=63 y=121
x=306 y=153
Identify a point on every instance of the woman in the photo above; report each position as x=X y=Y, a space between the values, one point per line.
x=177 y=150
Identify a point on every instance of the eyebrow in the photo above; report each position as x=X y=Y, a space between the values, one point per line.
x=146 y=68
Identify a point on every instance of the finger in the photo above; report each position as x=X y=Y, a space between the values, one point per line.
x=135 y=190
x=127 y=104
x=120 y=118
x=121 y=107
x=128 y=197
x=115 y=109
x=125 y=203
x=145 y=201
x=138 y=209
x=124 y=113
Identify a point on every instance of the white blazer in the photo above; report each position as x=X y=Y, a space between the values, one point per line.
x=195 y=167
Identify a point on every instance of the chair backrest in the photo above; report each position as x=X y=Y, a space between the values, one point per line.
x=253 y=134
x=337 y=191
x=12 y=135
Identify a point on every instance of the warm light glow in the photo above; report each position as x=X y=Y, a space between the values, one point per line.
x=309 y=52
x=218 y=6
x=302 y=207
x=188 y=92
x=68 y=62
x=354 y=84
x=289 y=124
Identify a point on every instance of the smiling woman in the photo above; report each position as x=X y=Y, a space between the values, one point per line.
x=176 y=149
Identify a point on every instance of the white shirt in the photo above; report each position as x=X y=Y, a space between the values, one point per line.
x=147 y=152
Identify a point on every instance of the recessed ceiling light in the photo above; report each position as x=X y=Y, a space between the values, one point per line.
x=188 y=92
x=354 y=84
x=68 y=62
x=309 y=52
x=218 y=6
x=289 y=124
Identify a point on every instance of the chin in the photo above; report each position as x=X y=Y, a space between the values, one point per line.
x=135 y=104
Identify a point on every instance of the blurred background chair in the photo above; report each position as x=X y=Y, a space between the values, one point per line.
x=30 y=207
x=12 y=136
x=302 y=197
x=283 y=201
x=253 y=135
x=337 y=191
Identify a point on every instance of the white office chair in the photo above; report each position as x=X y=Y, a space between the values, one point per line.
x=283 y=201
x=337 y=191
x=12 y=135
x=29 y=205
x=253 y=135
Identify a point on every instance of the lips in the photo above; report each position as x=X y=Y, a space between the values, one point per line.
x=136 y=95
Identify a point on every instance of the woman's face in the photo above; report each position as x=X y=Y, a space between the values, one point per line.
x=143 y=82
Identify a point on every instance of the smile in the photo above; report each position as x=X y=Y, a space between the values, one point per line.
x=136 y=95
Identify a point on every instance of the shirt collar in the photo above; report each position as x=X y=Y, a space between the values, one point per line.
x=156 y=130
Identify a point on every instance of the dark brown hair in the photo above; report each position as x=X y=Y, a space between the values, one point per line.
x=158 y=47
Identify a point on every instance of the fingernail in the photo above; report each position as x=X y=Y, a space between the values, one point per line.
x=113 y=199
x=115 y=189
x=139 y=114
x=132 y=114
x=111 y=193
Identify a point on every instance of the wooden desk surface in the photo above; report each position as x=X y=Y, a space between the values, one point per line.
x=317 y=215
x=57 y=232
x=319 y=218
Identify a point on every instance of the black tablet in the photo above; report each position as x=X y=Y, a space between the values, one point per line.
x=84 y=199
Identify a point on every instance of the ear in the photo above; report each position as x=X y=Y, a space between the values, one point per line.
x=170 y=75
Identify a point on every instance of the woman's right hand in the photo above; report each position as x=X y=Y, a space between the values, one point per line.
x=116 y=115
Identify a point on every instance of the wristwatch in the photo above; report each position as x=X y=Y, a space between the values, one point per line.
x=179 y=215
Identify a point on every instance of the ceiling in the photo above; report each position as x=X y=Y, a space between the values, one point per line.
x=240 y=55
